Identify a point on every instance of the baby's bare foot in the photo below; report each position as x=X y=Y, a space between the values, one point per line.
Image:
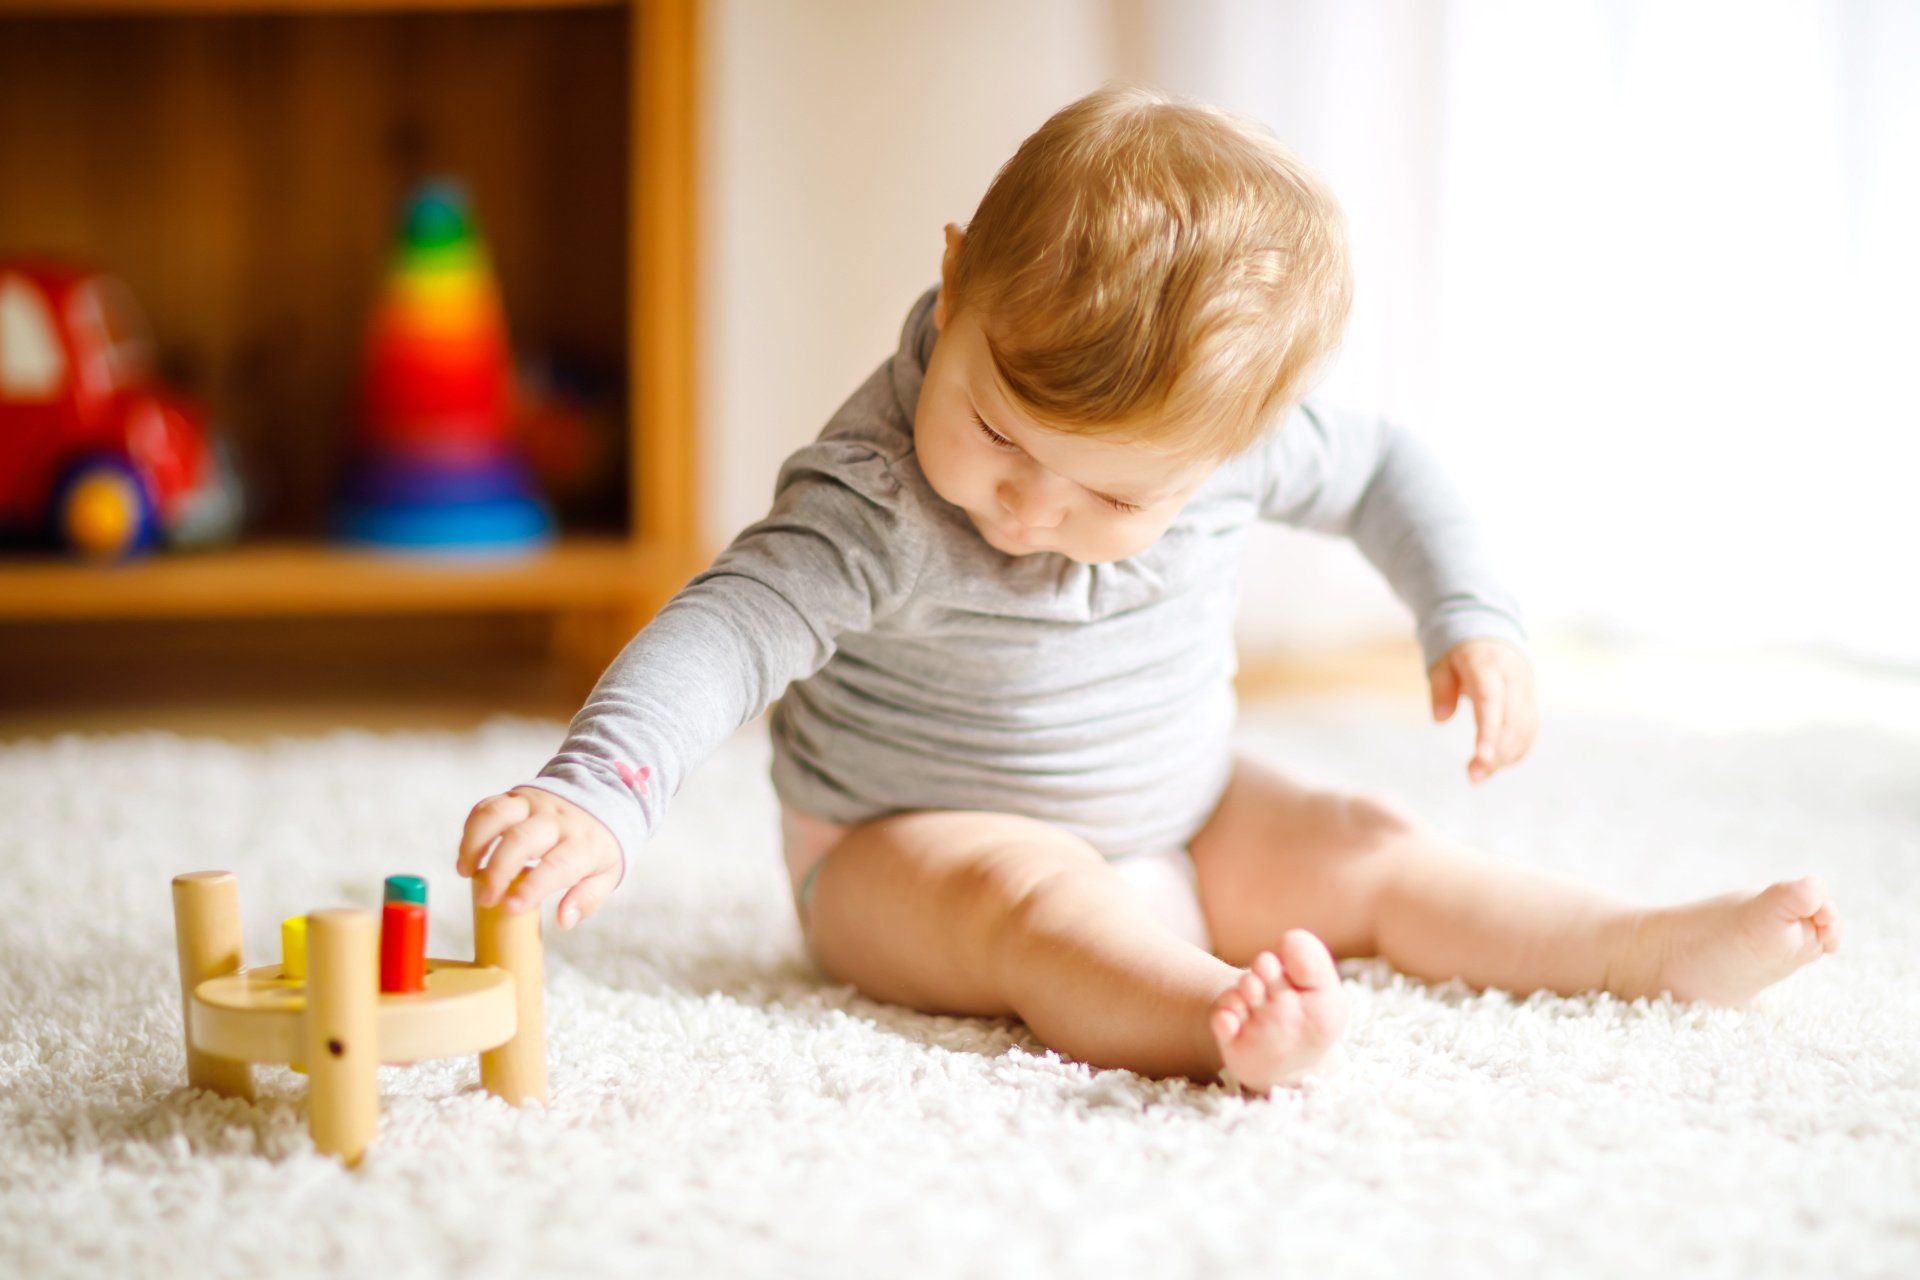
x=1279 y=1020
x=1725 y=950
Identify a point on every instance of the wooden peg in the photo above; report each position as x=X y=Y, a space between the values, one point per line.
x=517 y=1070
x=206 y=933
x=342 y=1050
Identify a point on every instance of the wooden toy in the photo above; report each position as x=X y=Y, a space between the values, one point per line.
x=405 y=889
x=403 y=947
x=403 y=935
x=293 y=947
x=336 y=1023
x=96 y=455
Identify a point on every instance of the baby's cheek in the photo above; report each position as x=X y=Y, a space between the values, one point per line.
x=1119 y=541
x=946 y=474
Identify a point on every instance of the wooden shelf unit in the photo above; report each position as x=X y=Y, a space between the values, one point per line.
x=169 y=7
x=281 y=578
x=240 y=163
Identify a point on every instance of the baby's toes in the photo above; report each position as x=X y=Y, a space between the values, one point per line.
x=1252 y=989
x=1230 y=1013
x=1308 y=963
x=1796 y=899
x=1267 y=965
x=1826 y=926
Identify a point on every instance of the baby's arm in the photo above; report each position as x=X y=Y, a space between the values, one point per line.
x=833 y=555
x=1367 y=479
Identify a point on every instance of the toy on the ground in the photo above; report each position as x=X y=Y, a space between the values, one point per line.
x=95 y=455
x=435 y=466
x=322 y=1010
x=403 y=936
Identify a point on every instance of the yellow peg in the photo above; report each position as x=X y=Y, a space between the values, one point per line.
x=293 y=947
x=293 y=959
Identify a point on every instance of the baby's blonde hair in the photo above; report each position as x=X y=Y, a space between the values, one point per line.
x=1148 y=268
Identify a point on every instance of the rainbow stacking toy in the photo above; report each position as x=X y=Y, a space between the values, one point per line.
x=434 y=467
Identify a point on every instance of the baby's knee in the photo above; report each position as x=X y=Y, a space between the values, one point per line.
x=1027 y=886
x=1373 y=825
x=1014 y=873
x=980 y=871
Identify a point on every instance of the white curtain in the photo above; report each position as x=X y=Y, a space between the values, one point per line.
x=1646 y=274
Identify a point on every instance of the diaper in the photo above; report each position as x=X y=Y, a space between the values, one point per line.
x=1167 y=882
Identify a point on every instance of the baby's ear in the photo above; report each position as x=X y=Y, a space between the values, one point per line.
x=949 y=263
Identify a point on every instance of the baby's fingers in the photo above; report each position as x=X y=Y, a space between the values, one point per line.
x=1489 y=707
x=1444 y=684
x=562 y=866
x=586 y=898
x=525 y=843
x=1523 y=725
x=488 y=820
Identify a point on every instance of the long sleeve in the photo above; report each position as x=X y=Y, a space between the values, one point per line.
x=834 y=554
x=1369 y=480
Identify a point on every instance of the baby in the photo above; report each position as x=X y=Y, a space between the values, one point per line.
x=994 y=600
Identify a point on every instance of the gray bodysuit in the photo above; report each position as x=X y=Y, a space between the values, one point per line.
x=921 y=668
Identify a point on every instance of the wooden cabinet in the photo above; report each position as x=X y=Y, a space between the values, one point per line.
x=241 y=164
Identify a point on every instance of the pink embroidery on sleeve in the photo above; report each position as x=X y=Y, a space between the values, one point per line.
x=635 y=778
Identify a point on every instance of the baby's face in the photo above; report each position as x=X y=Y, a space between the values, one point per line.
x=1027 y=488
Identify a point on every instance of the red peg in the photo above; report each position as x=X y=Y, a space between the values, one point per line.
x=403 y=947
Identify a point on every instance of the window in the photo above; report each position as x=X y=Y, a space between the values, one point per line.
x=30 y=361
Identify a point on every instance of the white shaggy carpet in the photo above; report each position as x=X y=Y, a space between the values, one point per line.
x=718 y=1109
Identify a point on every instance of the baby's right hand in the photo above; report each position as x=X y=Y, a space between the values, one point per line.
x=575 y=851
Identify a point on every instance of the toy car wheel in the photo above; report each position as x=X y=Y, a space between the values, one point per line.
x=102 y=510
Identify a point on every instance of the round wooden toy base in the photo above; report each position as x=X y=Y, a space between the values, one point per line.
x=259 y=1015
x=337 y=1026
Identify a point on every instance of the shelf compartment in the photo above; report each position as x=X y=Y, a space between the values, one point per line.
x=242 y=170
x=58 y=8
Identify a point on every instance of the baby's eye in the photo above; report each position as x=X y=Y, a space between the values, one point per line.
x=999 y=441
x=1127 y=508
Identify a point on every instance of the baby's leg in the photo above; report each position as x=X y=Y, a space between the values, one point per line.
x=992 y=914
x=1369 y=881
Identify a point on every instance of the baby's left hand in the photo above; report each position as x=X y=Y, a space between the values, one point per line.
x=1499 y=680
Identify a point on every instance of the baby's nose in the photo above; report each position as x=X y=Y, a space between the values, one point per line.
x=1031 y=505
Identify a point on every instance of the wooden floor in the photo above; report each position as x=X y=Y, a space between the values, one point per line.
x=251 y=679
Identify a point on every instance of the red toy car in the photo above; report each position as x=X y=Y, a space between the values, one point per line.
x=94 y=455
